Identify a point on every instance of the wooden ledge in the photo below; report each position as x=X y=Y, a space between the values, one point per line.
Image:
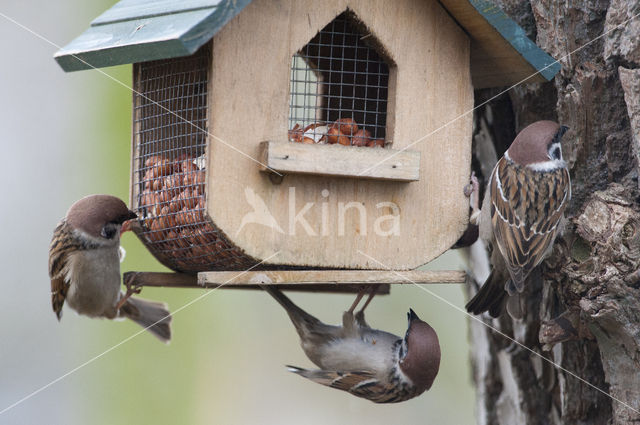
x=332 y=281
x=340 y=161
x=331 y=277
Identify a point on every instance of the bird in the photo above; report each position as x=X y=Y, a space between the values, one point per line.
x=366 y=362
x=522 y=214
x=84 y=266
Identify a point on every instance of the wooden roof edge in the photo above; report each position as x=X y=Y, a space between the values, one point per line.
x=139 y=31
x=113 y=40
x=487 y=25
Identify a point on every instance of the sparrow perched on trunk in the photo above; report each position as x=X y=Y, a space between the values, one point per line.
x=522 y=213
x=366 y=362
x=84 y=266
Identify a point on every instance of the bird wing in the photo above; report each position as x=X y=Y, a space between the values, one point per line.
x=62 y=244
x=526 y=209
x=58 y=294
x=359 y=383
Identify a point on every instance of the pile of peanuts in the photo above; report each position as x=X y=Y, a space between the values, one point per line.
x=172 y=205
x=344 y=131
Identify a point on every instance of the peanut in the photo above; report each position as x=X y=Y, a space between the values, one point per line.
x=361 y=138
x=377 y=143
x=347 y=126
x=333 y=134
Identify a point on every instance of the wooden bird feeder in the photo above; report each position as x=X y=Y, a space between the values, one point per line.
x=324 y=142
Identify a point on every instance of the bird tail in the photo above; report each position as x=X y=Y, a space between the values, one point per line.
x=302 y=320
x=320 y=376
x=297 y=370
x=359 y=383
x=491 y=297
x=151 y=315
x=517 y=305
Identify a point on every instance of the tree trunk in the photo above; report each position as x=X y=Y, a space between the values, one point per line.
x=585 y=315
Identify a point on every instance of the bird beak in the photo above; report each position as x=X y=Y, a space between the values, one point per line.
x=411 y=316
x=126 y=226
x=563 y=129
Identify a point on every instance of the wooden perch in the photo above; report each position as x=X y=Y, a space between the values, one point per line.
x=343 y=161
x=333 y=281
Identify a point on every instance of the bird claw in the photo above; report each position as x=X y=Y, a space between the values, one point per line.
x=132 y=289
x=473 y=186
x=472 y=191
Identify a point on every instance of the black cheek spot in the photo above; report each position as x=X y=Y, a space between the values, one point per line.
x=109 y=231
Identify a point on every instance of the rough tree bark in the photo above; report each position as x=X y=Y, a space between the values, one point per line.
x=585 y=316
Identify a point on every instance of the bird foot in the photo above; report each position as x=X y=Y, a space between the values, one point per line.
x=372 y=292
x=473 y=185
x=356 y=301
x=472 y=190
x=132 y=289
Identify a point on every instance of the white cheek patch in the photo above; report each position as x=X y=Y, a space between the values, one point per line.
x=121 y=253
x=547 y=165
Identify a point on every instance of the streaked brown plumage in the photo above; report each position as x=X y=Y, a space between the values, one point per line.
x=522 y=213
x=366 y=362
x=84 y=266
x=62 y=244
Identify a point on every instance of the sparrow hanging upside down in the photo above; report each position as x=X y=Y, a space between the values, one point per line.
x=522 y=214
x=84 y=266
x=366 y=362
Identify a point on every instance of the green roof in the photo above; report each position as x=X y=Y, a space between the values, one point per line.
x=143 y=30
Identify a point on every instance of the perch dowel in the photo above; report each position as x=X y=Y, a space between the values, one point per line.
x=332 y=281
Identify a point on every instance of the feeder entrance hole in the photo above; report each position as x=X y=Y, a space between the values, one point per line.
x=339 y=80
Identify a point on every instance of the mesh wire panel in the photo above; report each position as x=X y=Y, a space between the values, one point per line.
x=339 y=88
x=170 y=122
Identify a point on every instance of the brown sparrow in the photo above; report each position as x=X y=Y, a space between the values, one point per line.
x=366 y=362
x=522 y=213
x=84 y=266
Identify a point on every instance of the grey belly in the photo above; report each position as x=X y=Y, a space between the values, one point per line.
x=95 y=283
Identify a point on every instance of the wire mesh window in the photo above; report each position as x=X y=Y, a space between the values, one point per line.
x=339 y=87
x=170 y=124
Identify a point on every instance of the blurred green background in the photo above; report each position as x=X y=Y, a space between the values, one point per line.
x=68 y=135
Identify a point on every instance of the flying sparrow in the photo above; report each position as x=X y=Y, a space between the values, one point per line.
x=84 y=266
x=522 y=213
x=366 y=362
